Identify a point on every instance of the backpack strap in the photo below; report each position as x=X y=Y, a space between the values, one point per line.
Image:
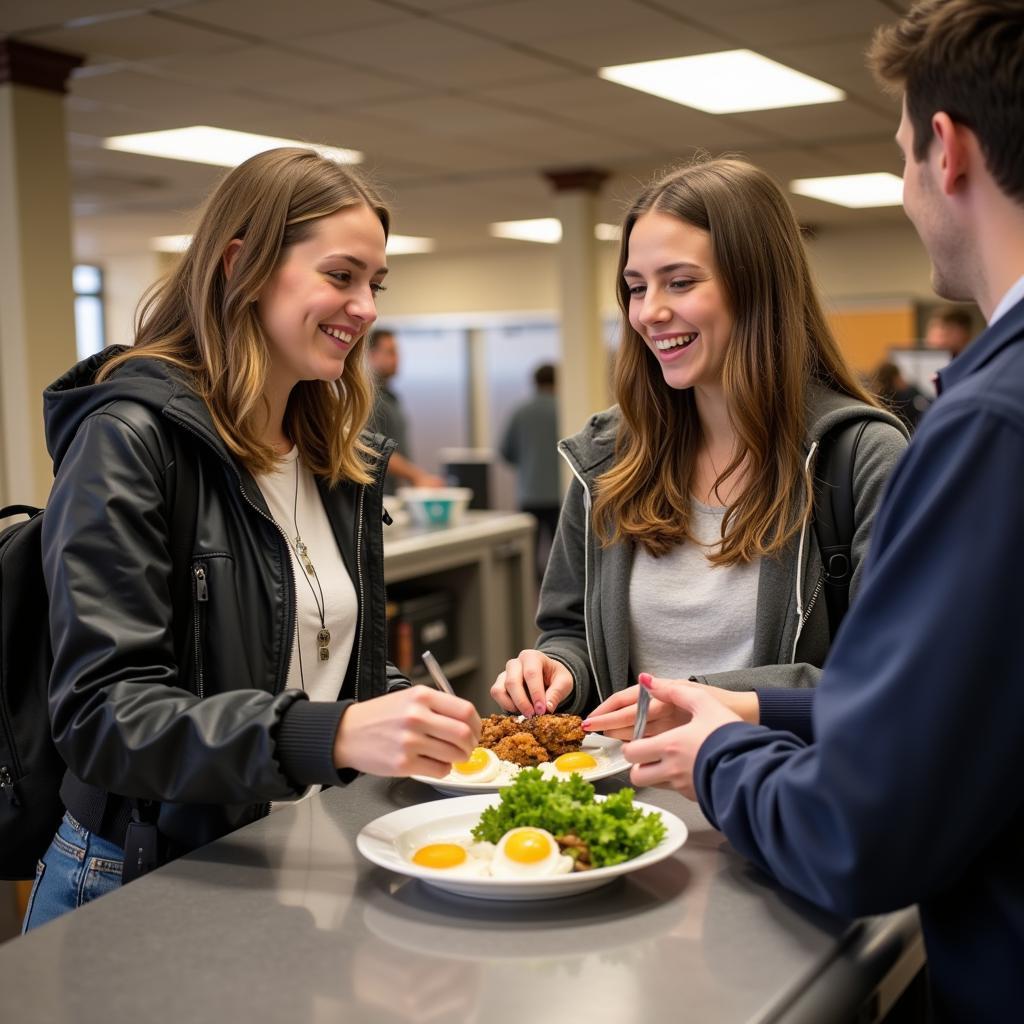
x=834 y=514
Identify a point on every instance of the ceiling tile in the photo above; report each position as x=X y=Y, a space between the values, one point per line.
x=276 y=21
x=18 y=16
x=792 y=23
x=425 y=51
x=135 y=36
x=591 y=35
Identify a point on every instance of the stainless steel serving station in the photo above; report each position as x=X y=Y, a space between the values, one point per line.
x=284 y=921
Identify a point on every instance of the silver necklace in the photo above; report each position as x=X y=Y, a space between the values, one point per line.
x=323 y=637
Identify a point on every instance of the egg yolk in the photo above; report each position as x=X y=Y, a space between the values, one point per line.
x=476 y=763
x=439 y=855
x=577 y=761
x=527 y=846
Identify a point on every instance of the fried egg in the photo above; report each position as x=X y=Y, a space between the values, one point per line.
x=580 y=762
x=528 y=853
x=483 y=766
x=454 y=857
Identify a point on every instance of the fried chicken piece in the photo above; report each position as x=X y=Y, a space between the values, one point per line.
x=522 y=749
x=497 y=727
x=557 y=734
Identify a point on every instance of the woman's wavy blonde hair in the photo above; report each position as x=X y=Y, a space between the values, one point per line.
x=780 y=343
x=207 y=324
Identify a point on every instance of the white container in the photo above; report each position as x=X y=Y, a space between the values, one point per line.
x=435 y=506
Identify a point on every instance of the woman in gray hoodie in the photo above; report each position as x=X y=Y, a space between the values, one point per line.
x=684 y=546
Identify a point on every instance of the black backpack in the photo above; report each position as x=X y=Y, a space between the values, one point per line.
x=834 y=514
x=31 y=770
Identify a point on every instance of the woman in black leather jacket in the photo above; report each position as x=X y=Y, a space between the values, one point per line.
x=210 y=657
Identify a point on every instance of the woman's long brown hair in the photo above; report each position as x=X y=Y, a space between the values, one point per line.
x=780 y=344
x=207 y=324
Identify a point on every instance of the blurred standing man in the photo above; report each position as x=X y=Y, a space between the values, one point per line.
x=949 y=328
x=389 y=417
x=903 y=785
x=531 y=445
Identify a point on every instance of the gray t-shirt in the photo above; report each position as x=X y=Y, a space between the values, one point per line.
x=687 y=616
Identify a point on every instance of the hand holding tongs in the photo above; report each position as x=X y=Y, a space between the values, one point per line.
x=440 y=679
x=643 y=702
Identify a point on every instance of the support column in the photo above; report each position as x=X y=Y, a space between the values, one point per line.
x=37 y=323
x=583 y=374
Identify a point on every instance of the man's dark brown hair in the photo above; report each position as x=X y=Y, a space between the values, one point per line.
x=965 y=58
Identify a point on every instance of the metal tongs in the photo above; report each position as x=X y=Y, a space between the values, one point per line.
x=643 y=702
x=440 y=679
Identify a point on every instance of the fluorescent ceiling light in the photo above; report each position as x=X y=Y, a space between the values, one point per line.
x=170 y=243
x=542 y=229
x=547 y=230
x=724 y=83
x=398 y=245
x=853 y=190
x=403 y=245
x=202 y=144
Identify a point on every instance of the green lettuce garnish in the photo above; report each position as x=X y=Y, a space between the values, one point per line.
x=614 y=829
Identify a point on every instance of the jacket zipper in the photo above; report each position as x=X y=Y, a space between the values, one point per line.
x=7 y=784
x=359 y=580
x=202 y=596
x=586 y=569
x=289 y=598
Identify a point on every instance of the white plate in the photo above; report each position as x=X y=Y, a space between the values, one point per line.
x=611 y=749
x=390 y=840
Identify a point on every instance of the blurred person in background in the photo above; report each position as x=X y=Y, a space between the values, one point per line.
x=388 y=417
x=906 y=400
x=950 y=328
x=530 y=444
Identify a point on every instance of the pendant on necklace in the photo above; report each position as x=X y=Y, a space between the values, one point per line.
x=323 y=638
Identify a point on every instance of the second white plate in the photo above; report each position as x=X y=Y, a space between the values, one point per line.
x=610 y=750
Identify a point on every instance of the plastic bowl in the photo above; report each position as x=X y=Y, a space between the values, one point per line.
x=435 y=506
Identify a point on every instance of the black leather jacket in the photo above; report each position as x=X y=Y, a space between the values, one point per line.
x=162 y=689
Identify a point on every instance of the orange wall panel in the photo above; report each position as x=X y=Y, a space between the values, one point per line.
x=866 y=335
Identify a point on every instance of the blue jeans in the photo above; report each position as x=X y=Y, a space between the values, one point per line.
x=77 y=867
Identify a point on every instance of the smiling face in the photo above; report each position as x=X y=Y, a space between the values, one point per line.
x=321 y=298
x=676 y=303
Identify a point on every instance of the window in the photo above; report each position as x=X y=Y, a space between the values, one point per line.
x=89 y=328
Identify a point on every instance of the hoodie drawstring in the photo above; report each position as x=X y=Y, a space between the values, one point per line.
x=800 y=557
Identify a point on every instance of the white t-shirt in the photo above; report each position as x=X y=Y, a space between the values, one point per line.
x=305 y=515
x=687 y=616
x=302 y=512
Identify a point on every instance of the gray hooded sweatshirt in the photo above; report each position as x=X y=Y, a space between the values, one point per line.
x=584 y=609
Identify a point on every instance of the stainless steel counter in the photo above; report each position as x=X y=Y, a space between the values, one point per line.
x=285 y=922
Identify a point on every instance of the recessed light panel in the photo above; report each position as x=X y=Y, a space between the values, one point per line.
x=547 y=230
x=404 y=245
x=724 y=83
x=170 y=243
x=857 y=191
x=222 y=147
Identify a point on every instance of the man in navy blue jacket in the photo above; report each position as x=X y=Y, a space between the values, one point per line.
x=905 y=781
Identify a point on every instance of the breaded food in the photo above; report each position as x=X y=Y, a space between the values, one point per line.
x=522 y=749
x=497 y=727
x=557 y=734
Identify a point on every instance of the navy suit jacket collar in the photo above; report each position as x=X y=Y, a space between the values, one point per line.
x=1005 y=331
